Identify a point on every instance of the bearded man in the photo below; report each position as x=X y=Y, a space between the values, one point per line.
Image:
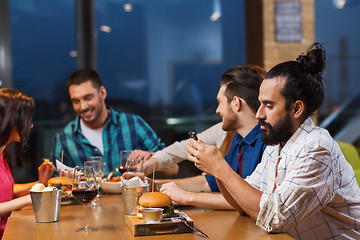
x=303 y=185
x=237 y=105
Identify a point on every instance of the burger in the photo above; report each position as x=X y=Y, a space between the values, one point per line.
x=66 y=184
x=156 y=200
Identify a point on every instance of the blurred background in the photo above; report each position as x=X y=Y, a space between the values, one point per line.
x=163 y=59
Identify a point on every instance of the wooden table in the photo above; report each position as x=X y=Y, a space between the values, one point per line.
x=109 y=218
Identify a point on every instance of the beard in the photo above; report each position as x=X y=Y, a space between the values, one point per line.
x=280 y=132
x=229 y=122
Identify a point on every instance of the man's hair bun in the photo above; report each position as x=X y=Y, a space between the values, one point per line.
x=314 y=62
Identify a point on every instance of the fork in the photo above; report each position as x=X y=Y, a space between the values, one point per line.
x=198 y=231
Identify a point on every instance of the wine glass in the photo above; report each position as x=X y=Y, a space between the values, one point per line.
x=124 y=156
x=84 y=190
x=102 y=165
x=134 y=167
x=96 y=165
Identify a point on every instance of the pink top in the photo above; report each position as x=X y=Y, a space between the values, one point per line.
x=6 y=188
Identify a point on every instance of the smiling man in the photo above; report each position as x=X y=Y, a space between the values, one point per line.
x=303 y=185
x=98 y=130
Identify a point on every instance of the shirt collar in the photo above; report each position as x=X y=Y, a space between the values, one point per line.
x=111 y=119
x=252 y=136
x=112 y=116
x=304 y=128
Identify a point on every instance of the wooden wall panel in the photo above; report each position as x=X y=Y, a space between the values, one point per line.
x=254 y=32
x=262 y=49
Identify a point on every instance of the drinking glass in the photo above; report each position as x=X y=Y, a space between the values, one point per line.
x=96 y=165
x=134 y=167
x=84 y=190
x=102 y=165
x=124 y=156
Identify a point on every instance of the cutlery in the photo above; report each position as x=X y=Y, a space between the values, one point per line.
x=198 y=231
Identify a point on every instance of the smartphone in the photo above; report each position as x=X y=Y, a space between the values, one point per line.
x=193 y=135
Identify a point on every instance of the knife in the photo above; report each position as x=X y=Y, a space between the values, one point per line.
x=180 y=216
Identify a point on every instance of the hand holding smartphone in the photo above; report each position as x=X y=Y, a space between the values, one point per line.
x=193 y=136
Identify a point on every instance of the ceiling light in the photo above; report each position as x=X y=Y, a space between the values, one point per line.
x=128 y=7
x=216 y=11
x=339 y=4
x=215 y=16
x=105 y=28
x=73 y=53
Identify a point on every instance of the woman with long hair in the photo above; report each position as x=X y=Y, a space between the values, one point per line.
x=16 y=111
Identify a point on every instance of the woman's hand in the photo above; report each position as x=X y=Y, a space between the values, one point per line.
x=45 y=170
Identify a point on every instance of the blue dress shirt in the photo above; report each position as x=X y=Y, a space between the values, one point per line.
x=252 y=148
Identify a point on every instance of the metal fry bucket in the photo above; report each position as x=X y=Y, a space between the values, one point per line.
x=46 y=205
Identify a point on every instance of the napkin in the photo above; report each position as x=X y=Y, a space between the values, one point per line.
x=134 y=182
x=62 y=167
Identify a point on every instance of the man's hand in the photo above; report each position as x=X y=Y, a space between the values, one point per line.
x=130 y=175
x=150 y=165
x=45 y=170
x=141 y=155
x=206 y=157
x=176 y=193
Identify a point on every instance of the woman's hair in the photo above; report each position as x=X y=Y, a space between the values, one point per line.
x=303 y=80
x=16 y=110
x=243 y=81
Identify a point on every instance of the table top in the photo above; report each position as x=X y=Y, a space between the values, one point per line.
x=109 y=218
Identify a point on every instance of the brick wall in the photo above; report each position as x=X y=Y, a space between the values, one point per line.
x=262 y=48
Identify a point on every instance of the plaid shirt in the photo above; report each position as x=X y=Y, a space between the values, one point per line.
x=317 y=197
x=122 y=131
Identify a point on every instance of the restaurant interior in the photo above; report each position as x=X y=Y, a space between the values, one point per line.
x=162 y=59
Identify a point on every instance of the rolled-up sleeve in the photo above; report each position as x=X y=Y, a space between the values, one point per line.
x=176 y=152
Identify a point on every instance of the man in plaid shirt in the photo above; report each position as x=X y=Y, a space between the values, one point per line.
x=303 y=185
x=98 y=130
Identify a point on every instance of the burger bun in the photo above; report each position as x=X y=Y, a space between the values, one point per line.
x=154 y=200
x=66 y=184
x=57 y=180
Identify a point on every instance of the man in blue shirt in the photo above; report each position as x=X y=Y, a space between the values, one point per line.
x=238 y=104
x=98 y=130
x=252 y=148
